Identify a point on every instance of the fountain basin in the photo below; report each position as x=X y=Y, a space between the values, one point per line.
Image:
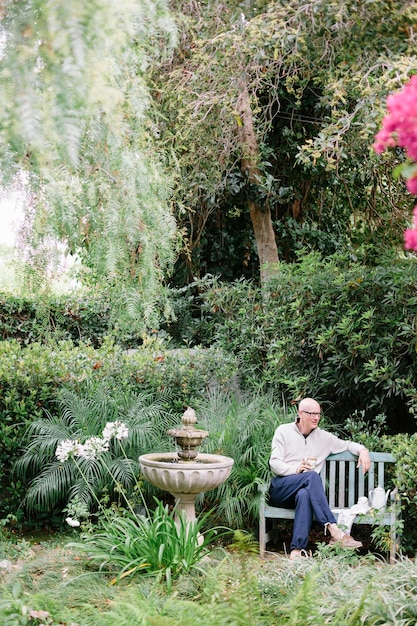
x=165 y=471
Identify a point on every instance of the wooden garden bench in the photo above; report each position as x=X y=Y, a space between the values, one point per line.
x=344 y=483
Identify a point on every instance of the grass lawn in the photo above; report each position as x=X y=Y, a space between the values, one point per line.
x=52 y=584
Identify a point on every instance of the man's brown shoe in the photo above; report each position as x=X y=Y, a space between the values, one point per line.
x=296 y=555
x=346 y=542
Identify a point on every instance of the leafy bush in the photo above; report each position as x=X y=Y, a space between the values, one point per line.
x=241 y=428
x=404 y=448
x=76 y=318
x=31 y=376
x=344 y=334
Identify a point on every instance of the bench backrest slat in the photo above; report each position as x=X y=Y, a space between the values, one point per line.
x=344 y=483
x=352 y=480
x=332 y=481
x=381 y=472
x=371 y=477
x=342 y=478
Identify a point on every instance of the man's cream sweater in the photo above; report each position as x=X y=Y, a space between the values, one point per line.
x=290 y=447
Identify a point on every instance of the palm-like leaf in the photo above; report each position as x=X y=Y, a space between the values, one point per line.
x=79 y=417
x=243 y=429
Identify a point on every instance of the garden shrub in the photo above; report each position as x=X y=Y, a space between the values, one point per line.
x=345 y=334
x=404 y=448
x=79 y=318
x=31 y=376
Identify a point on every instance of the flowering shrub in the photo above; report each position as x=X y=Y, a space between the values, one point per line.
x=90 y=450
x=399 y=128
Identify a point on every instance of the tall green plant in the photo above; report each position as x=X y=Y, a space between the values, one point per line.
x=159 y=545
x=80 y=418
x=241 y=427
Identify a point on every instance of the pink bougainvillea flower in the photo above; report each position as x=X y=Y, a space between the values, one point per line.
x=399 y=128
x=412 y=185
x=410 y=239
x=410 y=235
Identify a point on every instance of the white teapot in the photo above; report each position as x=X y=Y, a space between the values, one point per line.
x=378 y=498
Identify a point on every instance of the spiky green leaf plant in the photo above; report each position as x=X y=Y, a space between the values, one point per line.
x=242 y=428
x=80 y=417
x=163 y=544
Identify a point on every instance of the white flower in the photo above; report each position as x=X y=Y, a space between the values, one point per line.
x=92 y=447
x=116 y=429
x=72 y=522
x=66 y=449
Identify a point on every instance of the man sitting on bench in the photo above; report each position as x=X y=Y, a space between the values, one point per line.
x=299 y=451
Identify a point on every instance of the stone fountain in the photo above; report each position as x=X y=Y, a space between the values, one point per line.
x=186 y=473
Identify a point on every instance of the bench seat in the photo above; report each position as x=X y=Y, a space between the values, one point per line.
x=344 y=483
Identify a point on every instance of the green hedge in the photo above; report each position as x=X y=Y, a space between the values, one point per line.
x=346 y=335
x=77 y=318
x=31 y=375
x=80 y=318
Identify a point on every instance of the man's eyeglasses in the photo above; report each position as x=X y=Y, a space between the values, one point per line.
x=311 y=413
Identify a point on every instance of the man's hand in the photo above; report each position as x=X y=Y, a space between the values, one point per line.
x=364 y=460
x=305 y=466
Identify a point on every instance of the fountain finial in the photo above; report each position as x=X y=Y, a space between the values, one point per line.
x=189 y=417
x=188 y=437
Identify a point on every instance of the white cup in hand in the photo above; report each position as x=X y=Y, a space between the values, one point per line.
x=311 y=461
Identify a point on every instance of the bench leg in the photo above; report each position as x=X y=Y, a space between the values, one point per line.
x=262 y=536
x=393 y=546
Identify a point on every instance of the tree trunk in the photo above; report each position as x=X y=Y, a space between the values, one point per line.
x=260 y=215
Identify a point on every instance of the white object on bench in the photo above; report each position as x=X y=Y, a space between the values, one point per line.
x=344 y=483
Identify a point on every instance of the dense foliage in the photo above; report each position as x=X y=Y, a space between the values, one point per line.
x=306 y=81
x=344 y=333
x=30 y=378
x=77 y=318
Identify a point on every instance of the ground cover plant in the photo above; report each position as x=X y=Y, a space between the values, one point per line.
x=56 y=585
